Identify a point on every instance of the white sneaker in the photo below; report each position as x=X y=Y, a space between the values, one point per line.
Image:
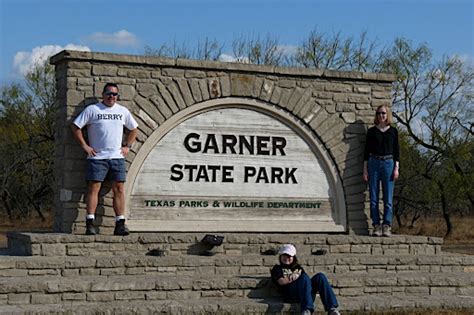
x=386 y=230
x=377 y=230
x=334 y=311
x=306 y=312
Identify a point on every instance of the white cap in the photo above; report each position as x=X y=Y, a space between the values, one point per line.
x=287 y=249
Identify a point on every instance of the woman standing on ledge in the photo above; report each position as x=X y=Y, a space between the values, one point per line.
x=381 y=163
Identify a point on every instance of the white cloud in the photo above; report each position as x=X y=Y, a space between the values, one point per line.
x=229 y=58
x=288 y=49
x=121 y=38
x=25 y=61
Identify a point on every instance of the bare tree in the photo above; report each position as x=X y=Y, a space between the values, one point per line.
x=433 y=103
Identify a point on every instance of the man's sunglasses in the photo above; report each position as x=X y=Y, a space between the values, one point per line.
x=111 y=94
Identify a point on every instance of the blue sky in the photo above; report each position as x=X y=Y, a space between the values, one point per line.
x=30 y=29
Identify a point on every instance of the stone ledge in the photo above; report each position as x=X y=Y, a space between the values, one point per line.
x=217 y=66
x=235 y=244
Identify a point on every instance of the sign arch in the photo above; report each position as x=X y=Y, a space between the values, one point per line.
x=234 y=164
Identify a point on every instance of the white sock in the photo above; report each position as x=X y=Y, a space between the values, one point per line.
x=119 y=217
x=90 y=216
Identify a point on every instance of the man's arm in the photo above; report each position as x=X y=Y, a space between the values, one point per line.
x=131 y=137
x=77 y=132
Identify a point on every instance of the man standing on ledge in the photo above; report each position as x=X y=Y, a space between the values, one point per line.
x=105 y=153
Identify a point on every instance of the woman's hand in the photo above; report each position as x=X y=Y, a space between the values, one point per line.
x=395 y=173
x=365 y=176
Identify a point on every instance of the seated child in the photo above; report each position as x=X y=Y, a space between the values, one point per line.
x=297 y=287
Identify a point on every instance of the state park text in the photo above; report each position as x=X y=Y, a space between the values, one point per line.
x=228 y=144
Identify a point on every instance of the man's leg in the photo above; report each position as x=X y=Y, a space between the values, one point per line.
x=95 y=175
x=92 y=199
x=119 y=198
x=117 y=174
x=119 y=207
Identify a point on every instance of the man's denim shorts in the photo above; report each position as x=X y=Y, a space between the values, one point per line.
x=100 y=170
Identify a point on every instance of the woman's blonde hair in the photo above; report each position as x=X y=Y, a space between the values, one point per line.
x=389 y=115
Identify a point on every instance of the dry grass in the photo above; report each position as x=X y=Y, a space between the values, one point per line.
x=462 y=232
x=32 y=224
x=460 y=241
x=414 y=312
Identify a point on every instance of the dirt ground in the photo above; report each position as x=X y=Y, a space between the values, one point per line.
x=461 y=241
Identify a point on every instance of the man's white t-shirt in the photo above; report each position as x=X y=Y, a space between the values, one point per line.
x=105 y=128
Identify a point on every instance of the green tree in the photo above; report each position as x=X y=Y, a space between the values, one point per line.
x=27 y=115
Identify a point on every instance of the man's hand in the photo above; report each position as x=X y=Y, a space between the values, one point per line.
x=125 y=150
x=89 y=150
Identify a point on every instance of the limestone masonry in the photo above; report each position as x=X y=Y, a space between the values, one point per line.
x=330 y=110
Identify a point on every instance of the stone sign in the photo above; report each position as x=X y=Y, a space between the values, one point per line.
x=223 y=147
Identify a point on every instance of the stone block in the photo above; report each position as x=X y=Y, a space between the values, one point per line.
x=267 y=90
x=146 y=89
x=196 y=90
x=183 y=295
x=78 y=73
x=172 y=72
x=19 y=299
x=70 y=272
x=442 y=291
x=100 y=296
x=173 y=88
x=127 y=295
x=225 y=85
x=338 y=87
x=339 y=249
x=361 y=249
x=13 y=273
x=101 y=70
x=155 y=295
x=166 y=96
x=164 y=110
x=74 y=97
x=53 y=250
x=242 y=84
x=73 y=296
x=194 y=74
x=138 y=74
x=214 y=88
x=185 y=91
x=45 y=298
x=89 y=272
x=204 y=88
x=350 y=291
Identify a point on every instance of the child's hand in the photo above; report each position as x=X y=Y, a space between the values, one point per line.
x=294 y=276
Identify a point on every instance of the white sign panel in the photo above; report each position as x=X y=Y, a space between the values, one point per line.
x=231 y=164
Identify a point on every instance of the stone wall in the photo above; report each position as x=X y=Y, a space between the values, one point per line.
x=336 y=106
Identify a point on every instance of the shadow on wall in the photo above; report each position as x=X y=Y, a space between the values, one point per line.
x=351 y=172
x=72 y=213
